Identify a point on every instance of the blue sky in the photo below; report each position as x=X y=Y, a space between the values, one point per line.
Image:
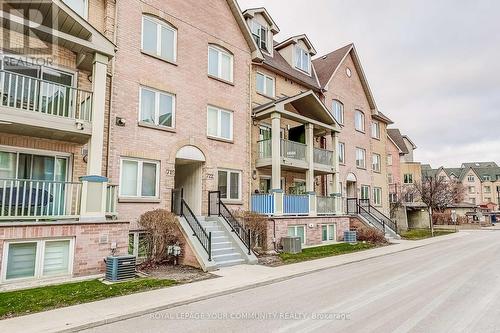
x=433 y=66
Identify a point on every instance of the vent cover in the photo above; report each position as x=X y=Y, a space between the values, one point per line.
x=120 y=268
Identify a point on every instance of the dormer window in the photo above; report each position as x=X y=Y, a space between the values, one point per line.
x=259 y=34
x=79 y=6
x=302 y=59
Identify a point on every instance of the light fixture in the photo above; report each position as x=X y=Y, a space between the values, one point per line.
x=254 y=174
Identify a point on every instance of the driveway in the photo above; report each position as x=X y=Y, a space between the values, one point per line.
x=448 y=286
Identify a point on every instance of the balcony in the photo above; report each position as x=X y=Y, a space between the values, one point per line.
x=42 y=200
x=44 y=109
x=293 y=156
x=274 y=204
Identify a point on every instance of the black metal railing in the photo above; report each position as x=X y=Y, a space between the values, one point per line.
x=217 y=207
x=181 y=208
x=370 y=218
x=382 y=217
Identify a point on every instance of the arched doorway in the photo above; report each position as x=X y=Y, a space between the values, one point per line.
x=188 y=168
x=351 y=187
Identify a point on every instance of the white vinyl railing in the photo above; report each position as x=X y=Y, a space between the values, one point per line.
x=323 y=156
x=24 y=199
x=45 y=97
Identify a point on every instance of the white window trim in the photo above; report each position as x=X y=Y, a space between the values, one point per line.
x=220 y=51
x=219 y=127
x=228 y=180
x=295 y=232
x=376 y=135
x=376 y=156
x=410 y=176
x=39 y=258
x=265 y=85
x=340 y=121
x=159 y=25
x=363 y=130
x=367 y=192
x=341 y=144
x=334 y=240
x=139 y=178
x=157 y=106
x=260 y=26
x=308 y=71
x=364 y=158
x=379 y=190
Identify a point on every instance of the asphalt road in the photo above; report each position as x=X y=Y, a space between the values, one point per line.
x=449 y=286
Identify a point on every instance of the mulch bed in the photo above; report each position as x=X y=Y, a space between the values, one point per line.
x=178 y=273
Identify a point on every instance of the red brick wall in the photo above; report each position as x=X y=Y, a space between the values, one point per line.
x=89 y=252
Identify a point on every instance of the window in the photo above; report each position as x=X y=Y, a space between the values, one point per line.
x=25 y=165
x=408 y=178
x=229 y=184
x=302 y=59
x=298 y=231
x=265 y=84
x=472 y=189
x=157 y=107
x=376 y=160
x=328 y=233
x=341 y=150
x=393 y=197
x=159 y=39
x=376 y=130
x=471 y=179
x=473 y=201
x=487 y=199
x=377 y=196
x=487 y=178
x=389 y=159
x=37 y=259
x=390 y=180
x=365 y=192
x=359 y=121
x=78 y=6
x=409 y=197
x=139 y=178
x=360 y=158
x=138 y=244
x=298 y=187
x=259 y=34
x=219 y=123
x=220 y=63
x=338 y=111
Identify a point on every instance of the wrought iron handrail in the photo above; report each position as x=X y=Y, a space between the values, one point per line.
x=199 y=232
x=219 y=208
x=379 y=224
x=381 y=216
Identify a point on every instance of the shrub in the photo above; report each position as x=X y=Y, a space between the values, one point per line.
x=371 y=235
x=162 y=231
x=258 y=227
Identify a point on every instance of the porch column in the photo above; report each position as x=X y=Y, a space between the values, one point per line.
x=309 y=129
x=99 y=72
x=276 y=163
x=337 y=190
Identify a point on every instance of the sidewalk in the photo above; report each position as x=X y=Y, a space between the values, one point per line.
x=232 y=279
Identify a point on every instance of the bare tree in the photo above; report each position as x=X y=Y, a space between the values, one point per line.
x=438 y=194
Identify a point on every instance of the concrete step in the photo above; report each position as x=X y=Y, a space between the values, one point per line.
x=227 y=263
x=220 y=238
x=226 y=256
x=223 y=250
x=221 y=245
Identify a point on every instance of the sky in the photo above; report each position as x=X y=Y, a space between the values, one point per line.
x=433 y=66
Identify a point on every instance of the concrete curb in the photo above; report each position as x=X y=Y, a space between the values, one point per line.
x=246 y=287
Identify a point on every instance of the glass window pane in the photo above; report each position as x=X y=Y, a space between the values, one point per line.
x=131 y=244
x=324 y=233
x=143 y=246
x=21 y=260
x=148 y=180
x=225 y=119
x=213 y=62
x=222 y=183
x=149 y=36
x=61 y=168
x=166 y=110
x=331 y=232
x=23 y=166
x=128 y=183
x=301 y=234
x=269 y=86
x=43 y=167
x=56 y=258
x=212 y=122
x=77 y=5
x=291 y=231
x=260 y=83
x=167 y=43
x=298 y=57
x=235 y=185
x=226 y=67
x=147 y=106
x=7 y=165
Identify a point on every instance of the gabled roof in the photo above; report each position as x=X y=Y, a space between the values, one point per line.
x=294 y=40
x=326 y=66
x=250 y=13
x=382 y=117
x=414 y=146
x=398 y=140
x=277 y=63
x=479 y=165
x=240 y=20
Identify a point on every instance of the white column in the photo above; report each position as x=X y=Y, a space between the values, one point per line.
x=276 y=151
x=310 y=157
x=336 y=176
x=99 y=72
